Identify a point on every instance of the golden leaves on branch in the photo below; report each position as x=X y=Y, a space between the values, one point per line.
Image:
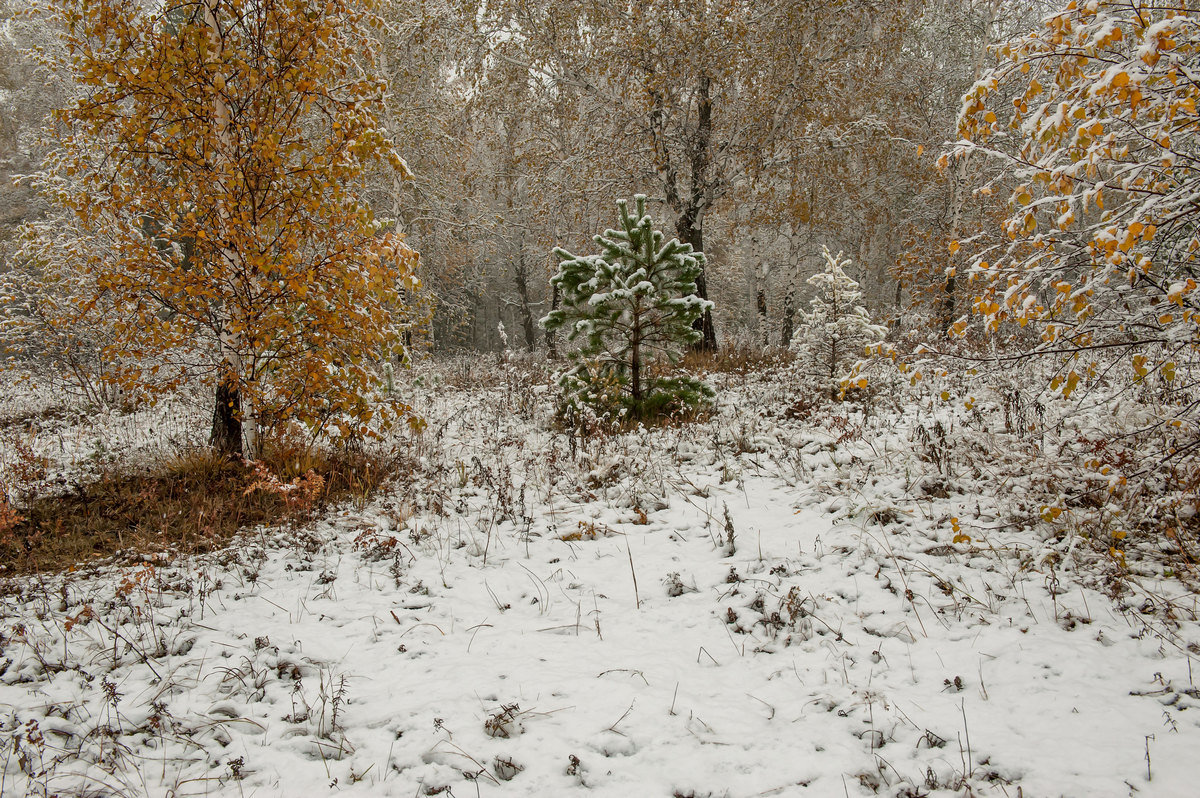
x=1100 y=124
x=215 y=172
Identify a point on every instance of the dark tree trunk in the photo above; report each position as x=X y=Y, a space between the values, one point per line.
x=691 y=231
x=708 y=343
x=476 y=310
x=522 y=280
x=948 y=305
x=958 y=198
x=789 y=317
x=551 y=345
x=691 y=225
x=226 y=436
x=760 y=300
x=696 y=195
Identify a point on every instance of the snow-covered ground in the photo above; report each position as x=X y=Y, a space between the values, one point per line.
x=771 y=602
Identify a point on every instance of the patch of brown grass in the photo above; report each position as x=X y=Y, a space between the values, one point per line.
x=736 y=359
x=189 y=505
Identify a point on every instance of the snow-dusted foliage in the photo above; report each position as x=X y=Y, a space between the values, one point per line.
x=836 y=329
x=1088 y=124
x=1091 y=119
x=634 y=306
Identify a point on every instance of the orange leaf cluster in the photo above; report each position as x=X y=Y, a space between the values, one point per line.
x=213 y=168
x=1095 y=117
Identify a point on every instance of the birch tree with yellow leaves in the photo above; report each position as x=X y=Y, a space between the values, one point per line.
x=1094 y=117
x=208 y=184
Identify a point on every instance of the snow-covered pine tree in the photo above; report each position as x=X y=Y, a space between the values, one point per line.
x=836 y=331
x=634 y=306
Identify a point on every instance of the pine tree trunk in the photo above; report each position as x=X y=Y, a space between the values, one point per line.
x=226 y=436
x=635 y=365
x=636 y=369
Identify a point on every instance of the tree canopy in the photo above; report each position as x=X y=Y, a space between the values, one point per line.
x=209 y=181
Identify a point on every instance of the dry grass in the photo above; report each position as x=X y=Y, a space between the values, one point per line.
x=189 y=505
x=736 y=359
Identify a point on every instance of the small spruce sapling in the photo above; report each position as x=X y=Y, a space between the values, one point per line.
x=634 y=306
x=837 y=330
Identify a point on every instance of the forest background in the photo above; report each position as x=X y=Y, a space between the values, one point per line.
x=760 y=137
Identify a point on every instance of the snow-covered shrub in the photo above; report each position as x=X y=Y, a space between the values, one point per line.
x=836 y=330
x=634 y=306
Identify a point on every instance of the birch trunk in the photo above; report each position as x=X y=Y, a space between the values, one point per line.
x=234 y=429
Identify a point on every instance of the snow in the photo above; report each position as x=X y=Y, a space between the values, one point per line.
x=527 y=614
